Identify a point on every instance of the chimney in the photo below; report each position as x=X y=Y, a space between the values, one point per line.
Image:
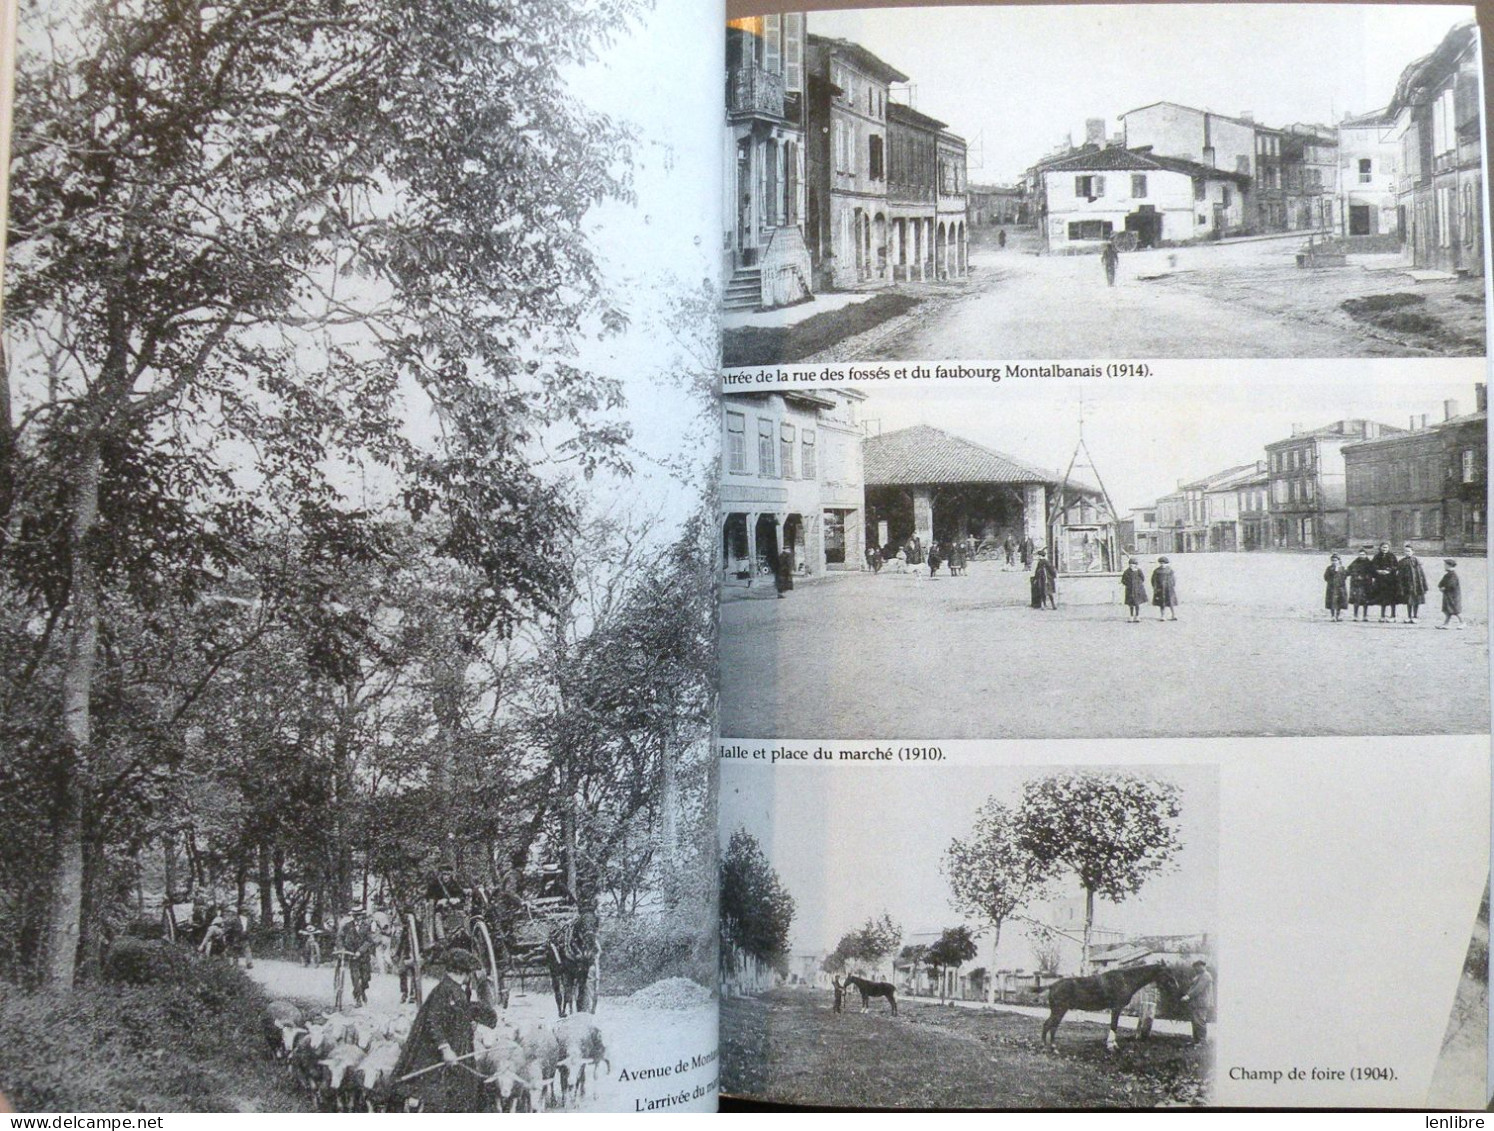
x=1094 y=132
x=1296 y=429
x=1423 y=421
x=1248 y=116
x=1449 y=409
x=1481 y=397
x=1413 y=423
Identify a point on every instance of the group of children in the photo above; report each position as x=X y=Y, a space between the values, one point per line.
x=1389 y=582
x=1164 y=589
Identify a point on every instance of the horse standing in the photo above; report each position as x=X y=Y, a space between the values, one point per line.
x=870 y=989
x=1111 y=990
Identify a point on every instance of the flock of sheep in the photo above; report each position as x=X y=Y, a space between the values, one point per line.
x=347 y=1060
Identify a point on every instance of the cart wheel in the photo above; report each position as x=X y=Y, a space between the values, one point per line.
x=417 y=975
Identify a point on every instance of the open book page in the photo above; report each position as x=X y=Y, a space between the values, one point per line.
x=1104 y=632
x=356 y=661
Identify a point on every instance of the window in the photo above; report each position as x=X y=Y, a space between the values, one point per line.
x=1365 y=174
x=1224 y=197
x=1138 y=186
x=736 y=442
x=793 y=52
x=765 y=447
x=807 y=464
x=1090 y=229
x=1470 y=466
x=877 y=162
x=773 y=44
x=786 y=446
x=1200 y=190
x=1091 y=187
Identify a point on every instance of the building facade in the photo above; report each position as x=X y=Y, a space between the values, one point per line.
x=767 y=260
x=791 y=478
x=1090 y=197
x=848 y=226
x=912 y=191
x=1440 y=188
x=1308 y=494
x=1309 y=171
x=951 y=233
x=1428 y=485
x=1368 y=156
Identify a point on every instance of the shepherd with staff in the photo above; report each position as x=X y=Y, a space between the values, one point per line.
x=433 y=1073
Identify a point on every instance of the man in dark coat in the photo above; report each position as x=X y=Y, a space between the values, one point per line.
x=1009 y=548
x=1452 y=594
x=1026 y=553
x=435 y=1070
x=1044 y=583
x=1110 y=260
x=358 y=940
x=1361 y=582
x=783 y=573
x=1384 y=591
x=1412 y=580
x=1164 y=589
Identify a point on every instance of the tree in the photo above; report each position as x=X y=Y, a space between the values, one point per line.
x=956 y=946
x=869 y=944
x=991 y=874
x=247 y=244
x=1112 y=830
x=756 y=910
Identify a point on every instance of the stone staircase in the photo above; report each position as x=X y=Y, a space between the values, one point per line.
x=745 y=291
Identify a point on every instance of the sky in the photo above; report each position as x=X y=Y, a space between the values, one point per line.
x=848 y=847
x=1145 y=437
x=1015 y=81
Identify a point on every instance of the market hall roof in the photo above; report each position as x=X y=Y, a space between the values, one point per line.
x=924 y=454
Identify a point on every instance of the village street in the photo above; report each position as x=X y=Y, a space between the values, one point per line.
x=1244 y=299
x=1253 y=653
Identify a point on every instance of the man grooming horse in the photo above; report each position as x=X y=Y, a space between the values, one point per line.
x=870 y=989
x=1112 y=990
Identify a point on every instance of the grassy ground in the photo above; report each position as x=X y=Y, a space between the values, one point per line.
x=788 y=1046
x=763 y=345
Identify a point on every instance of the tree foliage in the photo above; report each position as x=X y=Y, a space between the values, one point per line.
x=757 y=912
x=868 y=944
x=991 y=873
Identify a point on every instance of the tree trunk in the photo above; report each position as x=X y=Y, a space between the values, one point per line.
x=91 y=921
x=1089 y=923
x=64 y=918
x=991 y=966
x=168 y=851
x=266 y=903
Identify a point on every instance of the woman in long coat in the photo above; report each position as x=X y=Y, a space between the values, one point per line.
x=1335 y=592
x=1361 y=581
x=783 y=572
x=1044 y=583
x=1164 y=589
x=1133 y=581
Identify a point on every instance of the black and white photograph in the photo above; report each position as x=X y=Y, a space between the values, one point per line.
x=357 y=649
x=1130 y=181
x=1181 y=558
x=1043 y=935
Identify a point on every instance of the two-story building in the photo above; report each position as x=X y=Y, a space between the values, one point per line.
x=1440 y=189
x=848 y=225
x=912 y=191
x=1309 y=170
x=1368 y=152
x=1217 y=141
x=792 y=478
x=767 y=260
x=1308 y=497
x=951 y=236
x=1428 y=485
x=1093 y=195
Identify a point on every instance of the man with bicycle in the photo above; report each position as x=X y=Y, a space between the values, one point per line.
x=356 y=939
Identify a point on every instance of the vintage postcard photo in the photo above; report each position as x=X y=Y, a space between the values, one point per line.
x=1298 y=557
x=996 y=182
x=1043 y=934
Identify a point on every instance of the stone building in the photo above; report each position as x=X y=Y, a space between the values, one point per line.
x=951 y=234
x=1217 y=141
x=767 y=260
x=1308 y=500
x=912 y=191
x=1440 y=189
x=848 y=225
x=1089 y=197
x=1309 y=171
x=791 y=477
x=1368 y=156
x=1428 y=485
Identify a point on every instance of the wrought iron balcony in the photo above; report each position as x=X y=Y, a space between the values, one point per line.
x=752 y=90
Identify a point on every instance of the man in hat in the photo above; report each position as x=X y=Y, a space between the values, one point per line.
x=1200 y=1000
x=435 y=1071
x=1413 y=582
x=1335 y=593
x=1044 y=583
x=1452 y=594
x=1361 y=581
x=1385 y=589
x=357 y=938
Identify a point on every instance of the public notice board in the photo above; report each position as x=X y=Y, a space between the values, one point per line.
x=642 y=556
